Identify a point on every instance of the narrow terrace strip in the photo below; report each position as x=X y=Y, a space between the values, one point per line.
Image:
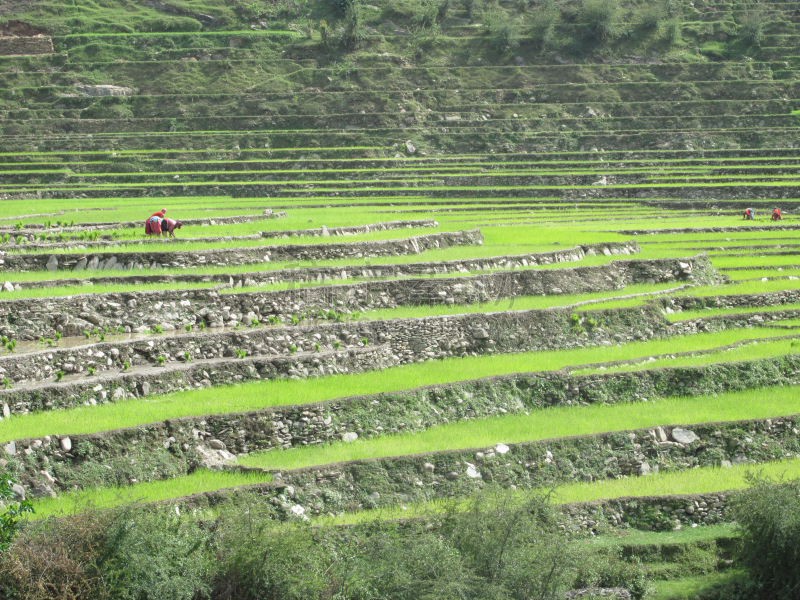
x=323 y=232
x=367 y=271
x=135 y=311
x=127 y=261
x=455 y=459
x=181 y=390
x=365 y=416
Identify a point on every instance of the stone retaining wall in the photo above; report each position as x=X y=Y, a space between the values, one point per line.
x=733 y=300
x=363 y=416
x=407 y=479
x=40 y=44
x=127 y=261
x=367 y=271
x=410 y=340
x=32 y=318
x=649 y=513
x=107 y=240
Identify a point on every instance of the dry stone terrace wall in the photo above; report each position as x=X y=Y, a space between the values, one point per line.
x=30 y=319
x=733 y=300
x=199 y=222
x=311 y=274
x=740 y=229
x=188 y=439
x=127 y=261
x=107 y=240
x=418 y=478
x=410 y=340
x=649 y=513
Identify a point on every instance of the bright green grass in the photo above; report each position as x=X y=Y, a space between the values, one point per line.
x=540 y=425
x=106 y=288
x=263 y=394
x=749 y=351
x=151 y=491
x=759 y=273
x=702 y=480
x=711 y=312
x=549 y=423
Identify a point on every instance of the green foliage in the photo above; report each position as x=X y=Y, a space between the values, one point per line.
x=751 y=27
x=9 y=519
x=768 y=516
x=126 y=365
x=202 y=326
x=543 y=23
x=292 y=348
x=503 y=33
x=342 y=6
x=157 y=329
x=161 y=360
x=337 y=344
x=240 y=353
x=472 y=7
x=91 y=370
x=188 y=327
x=187 y=356
x=364 y=341
x=672 y=31
x=598 y=20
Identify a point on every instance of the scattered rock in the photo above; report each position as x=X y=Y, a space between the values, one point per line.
x=452 y=476
x=410 y=147
x=350 y=436
x=684 y=436
x=501 y=448
x=428 y=468
x=11 y=448
x=216 y=445
x=8 y=286
x=66 y=444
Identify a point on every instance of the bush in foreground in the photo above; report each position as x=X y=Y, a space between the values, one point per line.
x=768 y=515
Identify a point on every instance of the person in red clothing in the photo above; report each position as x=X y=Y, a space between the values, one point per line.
x=168 y=226
x=748 y=214
x=776 y=215
x=153 y=224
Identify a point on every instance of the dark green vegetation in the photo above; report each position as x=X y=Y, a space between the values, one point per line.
x=550 y=126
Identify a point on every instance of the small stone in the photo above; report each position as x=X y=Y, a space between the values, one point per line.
x=52 y=264
x=119 y=394
x=216 y=445
x=66 y=444
x=350 y=436
x=11 y=448
x=410 y=147
x=501 y=448
x=480 y=334
x=8 y=286
x=325 y=232
x=726 y=464
x=661 y=435
x=18 y=490
x=6 y=411
x=374 y=496
x=428 y=468
x=289 y=491
x=452 y=476
x=684 y=436
x=145 y=389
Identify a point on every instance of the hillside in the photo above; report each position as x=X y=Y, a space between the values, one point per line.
x=428 y=250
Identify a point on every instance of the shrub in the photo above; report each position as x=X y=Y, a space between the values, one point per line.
x=503 y=34
x=751 y=27
x=651 y=15
x=161 y=360
x=543 y=24
x=188 y=327
x=598 y=19
x=672 y=31
x=472 y=7
x=9 y=520
x=768 y=517
x=342 y=6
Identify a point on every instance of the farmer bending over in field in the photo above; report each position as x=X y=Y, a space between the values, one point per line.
x=748 y=214
x=776 y=215
x=153 y=224
x=168 y=226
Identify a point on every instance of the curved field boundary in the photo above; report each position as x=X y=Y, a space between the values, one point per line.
x=532 y=465
x=435 y=405
x=320 y=232
x=743 y=228
x=266 y=215
x=410 y=339
x=319 y=274
x=127 y=261
x=30 y=319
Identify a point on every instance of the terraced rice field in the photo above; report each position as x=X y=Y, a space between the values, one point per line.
x=414 y=264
